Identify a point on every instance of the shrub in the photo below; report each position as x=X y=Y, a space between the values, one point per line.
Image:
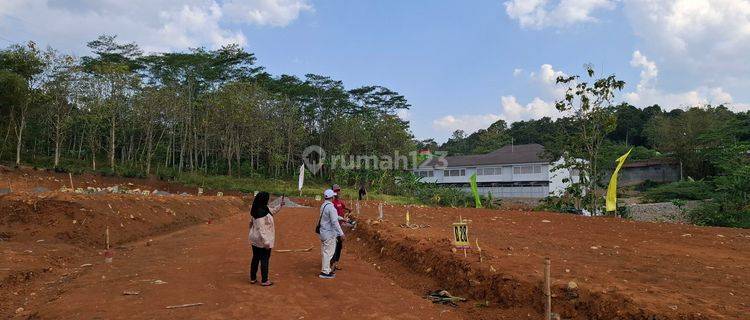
x=558 y=204
x=683 y=190
x=731 y=205
x=646 y=185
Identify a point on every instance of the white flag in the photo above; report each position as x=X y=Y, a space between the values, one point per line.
x=301 y=177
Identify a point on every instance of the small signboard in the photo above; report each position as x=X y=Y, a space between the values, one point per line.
x=461 y=235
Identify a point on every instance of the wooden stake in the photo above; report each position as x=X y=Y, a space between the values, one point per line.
x=479 y=249
x=547 y=293
x=185 y=305
x=107 y=236
x=70 y=176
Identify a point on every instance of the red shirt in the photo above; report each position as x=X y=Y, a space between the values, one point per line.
x=340 y=207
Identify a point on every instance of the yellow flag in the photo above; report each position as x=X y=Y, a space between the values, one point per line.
x=612 y=189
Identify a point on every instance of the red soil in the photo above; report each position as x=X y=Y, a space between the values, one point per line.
x=623 y=269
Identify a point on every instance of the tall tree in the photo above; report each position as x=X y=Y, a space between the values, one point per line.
x=114 y=65
x=589 y=105
x=20 y=67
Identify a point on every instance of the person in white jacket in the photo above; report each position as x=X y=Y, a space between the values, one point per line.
x=328 y=229
x=262 y=236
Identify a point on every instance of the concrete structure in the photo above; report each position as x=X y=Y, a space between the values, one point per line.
x=518 y=171
x=657 y=170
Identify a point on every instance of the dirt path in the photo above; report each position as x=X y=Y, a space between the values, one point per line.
x=208 y=263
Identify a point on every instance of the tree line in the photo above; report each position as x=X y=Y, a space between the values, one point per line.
x=203 y=111
x=683 y=134
x=712 y=144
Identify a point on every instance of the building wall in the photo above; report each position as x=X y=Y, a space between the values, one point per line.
x=560 y=179
x=656 y=173
x=512 y=192
x=518 y=187
x=506 y=175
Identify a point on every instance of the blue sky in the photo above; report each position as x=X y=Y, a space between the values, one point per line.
x=462 y=65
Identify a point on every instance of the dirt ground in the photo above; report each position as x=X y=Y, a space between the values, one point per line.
x=181 y=249
x=635 y=269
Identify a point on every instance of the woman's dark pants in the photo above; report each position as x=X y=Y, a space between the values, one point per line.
x=260 y=255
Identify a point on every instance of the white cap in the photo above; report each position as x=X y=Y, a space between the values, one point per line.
x=328 y=193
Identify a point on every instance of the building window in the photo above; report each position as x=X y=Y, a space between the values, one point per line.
x=489 y=171
x=528 y=169
x=426 y=174
x=455 y=173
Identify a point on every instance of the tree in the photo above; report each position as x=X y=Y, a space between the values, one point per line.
x=19 y=68
x=683 y=134
x=495 y=137
x=114 y=65
x=589 y=106
x=59 y=89
x=539 y=131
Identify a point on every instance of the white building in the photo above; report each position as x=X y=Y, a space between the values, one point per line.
x=518 y=171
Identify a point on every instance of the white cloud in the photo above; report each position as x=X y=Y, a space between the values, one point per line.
x=647 y=93
x=513 y=111
x=649 y=72
x=510 y=111
x=540 y=14
x=404 y=114
x=706 y=40
x=276 y=13
x=155 y=25
x=467 y=123
x=544 y=81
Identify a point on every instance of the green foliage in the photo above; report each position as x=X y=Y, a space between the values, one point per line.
x=482 y=141
x=647 y=185
x=730 y=206
x=558 y=204
x=682 y=190
x=592 y=120
x=686 y=134
x=201 y=111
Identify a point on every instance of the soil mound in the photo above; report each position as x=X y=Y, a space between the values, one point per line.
x=82 y=220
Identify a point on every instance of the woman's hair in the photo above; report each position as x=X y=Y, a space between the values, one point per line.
x=260 y=205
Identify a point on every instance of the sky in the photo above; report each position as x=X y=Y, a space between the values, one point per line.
x=461 y=64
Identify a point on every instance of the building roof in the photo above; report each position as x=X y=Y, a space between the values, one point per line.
x=510 y=154
x=650 y=162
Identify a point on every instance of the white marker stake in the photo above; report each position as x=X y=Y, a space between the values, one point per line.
x=380 y=211
x=107 y=253
x=547 y=293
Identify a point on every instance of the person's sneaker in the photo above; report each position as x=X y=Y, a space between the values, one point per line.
x=327 y=275
x=266 y=284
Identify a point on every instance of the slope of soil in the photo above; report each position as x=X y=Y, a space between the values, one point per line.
x=622 y=269
x=83 y=219
x=44 y=235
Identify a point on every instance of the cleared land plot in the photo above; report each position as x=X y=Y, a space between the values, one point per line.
x=52 y=267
